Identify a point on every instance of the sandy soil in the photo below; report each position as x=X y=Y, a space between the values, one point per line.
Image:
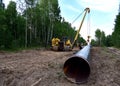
x=26 y=67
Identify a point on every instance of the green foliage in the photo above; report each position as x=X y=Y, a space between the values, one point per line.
x=11 y=15
x=36 y=26
x=116 y=32
x=109 y=41
x=98 y=36
x=101 y=39
x=5 y=34
x=81 y=40
x=93 y=42
x=2 y=27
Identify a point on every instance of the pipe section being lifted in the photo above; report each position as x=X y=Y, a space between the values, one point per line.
x=77 y=67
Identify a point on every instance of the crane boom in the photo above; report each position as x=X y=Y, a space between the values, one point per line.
x=87 y=10
x=66 y=45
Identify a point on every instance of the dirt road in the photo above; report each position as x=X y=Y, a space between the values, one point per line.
x=29 y=66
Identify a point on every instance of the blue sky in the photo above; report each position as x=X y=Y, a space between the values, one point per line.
x=102 y=15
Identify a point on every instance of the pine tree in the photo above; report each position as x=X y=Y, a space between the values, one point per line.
x=116 y=32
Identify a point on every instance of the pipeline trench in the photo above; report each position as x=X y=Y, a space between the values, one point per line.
x=45 y=68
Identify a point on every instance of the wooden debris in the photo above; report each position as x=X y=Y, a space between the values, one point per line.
x=36 y=82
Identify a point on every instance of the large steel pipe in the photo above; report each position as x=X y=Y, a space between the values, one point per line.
x=77 y=68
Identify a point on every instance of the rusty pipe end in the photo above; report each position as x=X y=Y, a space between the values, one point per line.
x=77 y=69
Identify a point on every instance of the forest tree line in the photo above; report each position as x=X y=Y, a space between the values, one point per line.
x=101 y=39
x=25 y=24
x=109 y=40
x=34 y=23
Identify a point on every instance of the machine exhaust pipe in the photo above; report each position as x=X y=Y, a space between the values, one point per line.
x=77 y=67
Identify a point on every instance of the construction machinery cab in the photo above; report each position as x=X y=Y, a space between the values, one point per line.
x=65 y=44
x=61 y=44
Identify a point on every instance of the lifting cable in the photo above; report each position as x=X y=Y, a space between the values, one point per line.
x=88 y=24
x=77 y=17
x=88 y=27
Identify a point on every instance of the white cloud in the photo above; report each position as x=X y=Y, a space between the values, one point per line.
x=70 y=7
x=100 y=5
x=64 y=5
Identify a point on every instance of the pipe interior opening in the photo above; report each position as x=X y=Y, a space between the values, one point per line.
x=77 y=68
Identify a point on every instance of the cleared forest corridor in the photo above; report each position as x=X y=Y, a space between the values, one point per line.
x=25 y=67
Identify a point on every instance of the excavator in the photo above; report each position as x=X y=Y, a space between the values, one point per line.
x=65 y=44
